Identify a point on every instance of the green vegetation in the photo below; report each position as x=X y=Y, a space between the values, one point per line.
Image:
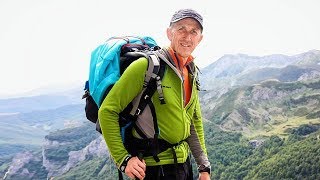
x=73 y=139
x=94 y=169
x=296 y=160
x=225 y=149
x=11 y=149
x=31 y=170
x=296 y=157
x=224 y=109
x=34 y=167
x=314 y=85
x=282 y=129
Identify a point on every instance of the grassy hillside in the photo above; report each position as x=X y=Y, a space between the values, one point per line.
x=269 y=108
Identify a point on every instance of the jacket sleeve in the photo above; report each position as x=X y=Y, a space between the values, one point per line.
x=123 y=92
x=196 y=139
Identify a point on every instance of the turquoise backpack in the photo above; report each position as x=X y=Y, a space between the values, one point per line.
x=109 y=60
x=105 y=60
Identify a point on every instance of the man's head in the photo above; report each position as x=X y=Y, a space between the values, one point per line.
x=185 y=31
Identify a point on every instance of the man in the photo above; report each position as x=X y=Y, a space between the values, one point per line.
x=179 y=119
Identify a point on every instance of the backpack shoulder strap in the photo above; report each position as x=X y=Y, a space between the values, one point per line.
x=152 y=82
x=194 y=71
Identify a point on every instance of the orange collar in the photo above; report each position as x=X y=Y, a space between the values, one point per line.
x=182 y=67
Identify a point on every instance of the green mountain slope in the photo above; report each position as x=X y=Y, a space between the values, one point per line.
x=298 y=160
x=268 y=108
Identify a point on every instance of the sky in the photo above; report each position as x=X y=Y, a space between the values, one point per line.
x=47 y=43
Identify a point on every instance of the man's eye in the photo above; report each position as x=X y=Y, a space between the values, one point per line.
x=194 y=32
x=180 y=28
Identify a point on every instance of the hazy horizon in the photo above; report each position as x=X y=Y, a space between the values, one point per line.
x=44 y=43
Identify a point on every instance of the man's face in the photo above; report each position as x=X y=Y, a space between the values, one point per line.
x=184 y=35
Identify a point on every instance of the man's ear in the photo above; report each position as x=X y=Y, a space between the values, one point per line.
x=169 y=34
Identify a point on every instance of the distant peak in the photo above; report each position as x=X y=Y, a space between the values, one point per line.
x=314 y=51
x=238 y=55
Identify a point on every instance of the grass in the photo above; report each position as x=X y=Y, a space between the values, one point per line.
x=281 y=126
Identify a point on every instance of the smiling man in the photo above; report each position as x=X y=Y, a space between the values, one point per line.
x=179 y=119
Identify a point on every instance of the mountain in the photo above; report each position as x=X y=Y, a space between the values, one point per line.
x=263 y=107
x=233 y=66
x=261 y=121
x=44 y=101
x=289 y=73
x=62 y=151
x=23 y=127
x=25 y=121
x=231 y=71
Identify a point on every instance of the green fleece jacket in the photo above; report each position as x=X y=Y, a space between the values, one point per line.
x=174 y=119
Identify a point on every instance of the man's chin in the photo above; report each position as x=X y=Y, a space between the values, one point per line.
x=186 y=53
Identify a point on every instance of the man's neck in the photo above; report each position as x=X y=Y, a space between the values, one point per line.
x=182 y=60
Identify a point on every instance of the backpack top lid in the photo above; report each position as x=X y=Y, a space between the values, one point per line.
x=105 y=63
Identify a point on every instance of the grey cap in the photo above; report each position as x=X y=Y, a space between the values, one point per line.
x=187 y=13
